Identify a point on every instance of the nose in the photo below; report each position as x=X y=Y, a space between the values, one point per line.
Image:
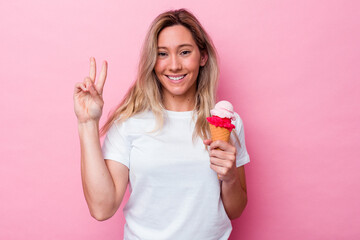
x=175 y=64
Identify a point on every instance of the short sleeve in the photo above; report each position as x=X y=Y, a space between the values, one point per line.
x=116 y=146
x=242 y=156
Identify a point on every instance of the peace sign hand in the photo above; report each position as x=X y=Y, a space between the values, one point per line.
x=88 y=101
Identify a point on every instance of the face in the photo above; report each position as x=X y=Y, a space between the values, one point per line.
x=178 y=62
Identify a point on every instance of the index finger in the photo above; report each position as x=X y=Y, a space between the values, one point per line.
x=101 y=81
x=222 y=145
x=92 y=73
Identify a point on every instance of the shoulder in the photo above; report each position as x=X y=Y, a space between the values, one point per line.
x=139 y=122
x=146 y=115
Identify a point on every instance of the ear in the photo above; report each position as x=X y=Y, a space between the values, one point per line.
x=203 y=59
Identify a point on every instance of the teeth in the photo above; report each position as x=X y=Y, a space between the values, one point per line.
x=176 y=78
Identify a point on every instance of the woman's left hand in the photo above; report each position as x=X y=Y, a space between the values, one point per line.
x=223 y=159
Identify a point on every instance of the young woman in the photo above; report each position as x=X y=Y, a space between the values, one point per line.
x=183 y=185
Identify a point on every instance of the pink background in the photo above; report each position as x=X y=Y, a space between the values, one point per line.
x=291 y=68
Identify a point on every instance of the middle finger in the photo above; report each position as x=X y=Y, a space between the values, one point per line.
x=102 y=77
x=218 y=153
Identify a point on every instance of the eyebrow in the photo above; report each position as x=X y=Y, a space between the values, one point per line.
x=180 y=46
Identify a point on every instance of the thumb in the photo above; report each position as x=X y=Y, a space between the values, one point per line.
x=207 y=142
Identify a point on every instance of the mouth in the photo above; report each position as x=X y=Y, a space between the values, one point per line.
x=176 y=77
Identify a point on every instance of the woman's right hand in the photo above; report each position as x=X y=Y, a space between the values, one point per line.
x=88 y=100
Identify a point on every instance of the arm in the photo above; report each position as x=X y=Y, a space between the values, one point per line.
x=233 y=186
x=234 y=195
x=104 y=182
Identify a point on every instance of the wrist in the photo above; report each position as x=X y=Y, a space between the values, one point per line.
x=233 y=180
x=88 y=125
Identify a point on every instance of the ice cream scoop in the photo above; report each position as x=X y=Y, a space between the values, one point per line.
x=223 y=109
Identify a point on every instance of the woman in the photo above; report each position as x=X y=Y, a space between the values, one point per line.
x=157 y=138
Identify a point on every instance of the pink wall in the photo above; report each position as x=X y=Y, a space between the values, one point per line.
x=291 y=68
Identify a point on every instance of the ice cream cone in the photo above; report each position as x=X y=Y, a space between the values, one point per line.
x=219 y=133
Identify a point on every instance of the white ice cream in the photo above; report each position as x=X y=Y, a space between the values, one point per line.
x=223 y=109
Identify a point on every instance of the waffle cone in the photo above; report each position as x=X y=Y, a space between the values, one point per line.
x=219 y=133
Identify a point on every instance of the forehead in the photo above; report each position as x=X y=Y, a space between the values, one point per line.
x=174 y=36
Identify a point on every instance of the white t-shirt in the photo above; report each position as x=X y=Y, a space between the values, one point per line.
x=174 y=192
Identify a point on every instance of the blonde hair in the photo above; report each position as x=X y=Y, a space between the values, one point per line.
x=145 y=93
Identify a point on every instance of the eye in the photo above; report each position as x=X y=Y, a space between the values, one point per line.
x=186 y=52
x=162 y=54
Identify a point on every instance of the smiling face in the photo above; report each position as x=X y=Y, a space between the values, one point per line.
x=177 y=67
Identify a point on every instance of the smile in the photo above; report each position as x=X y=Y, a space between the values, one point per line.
x=176 y=78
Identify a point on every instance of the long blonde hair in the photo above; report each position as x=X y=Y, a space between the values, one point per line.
x=145 y=93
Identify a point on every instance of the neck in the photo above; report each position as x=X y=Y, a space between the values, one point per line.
x=179 y=104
